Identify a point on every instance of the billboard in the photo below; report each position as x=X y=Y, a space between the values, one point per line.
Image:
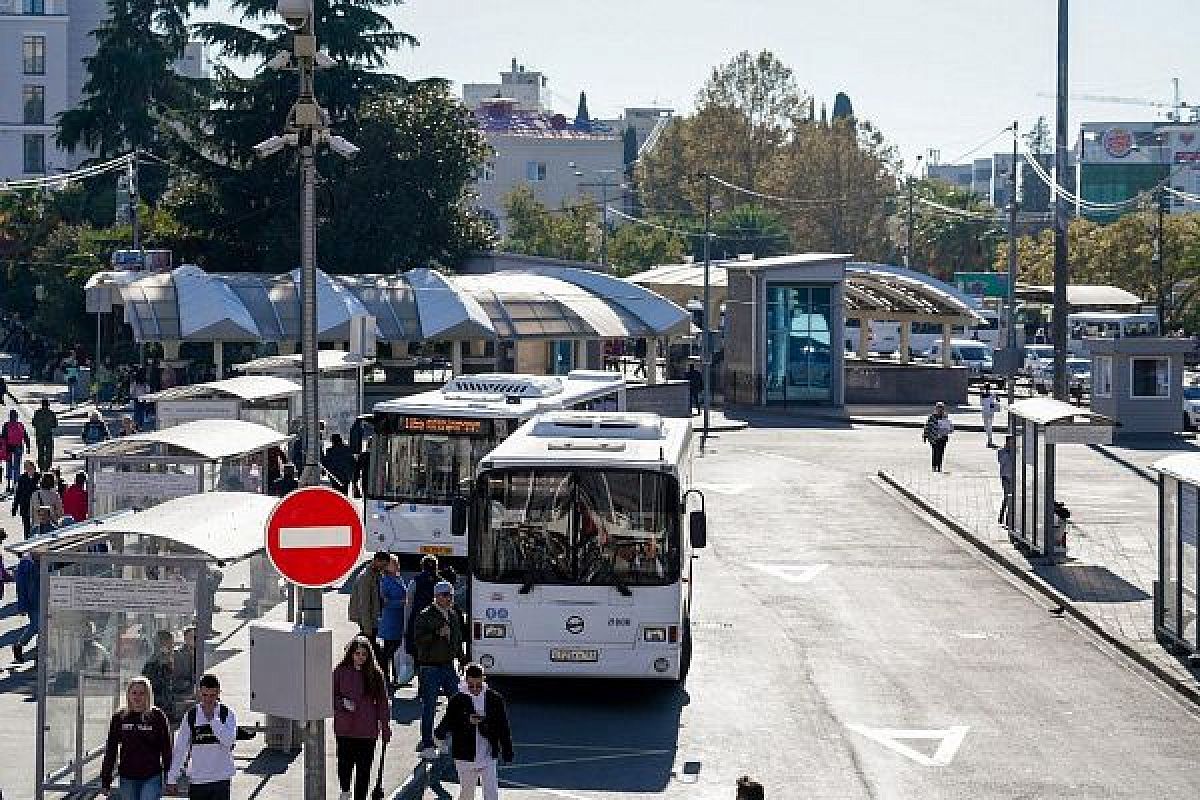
x=982 y=284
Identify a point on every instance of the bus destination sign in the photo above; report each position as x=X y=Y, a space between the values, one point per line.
x=460 y=426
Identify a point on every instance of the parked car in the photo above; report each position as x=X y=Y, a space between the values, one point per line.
x=1032 y=354
x=975 y=356
x=1191 y=407
x=1079 y=381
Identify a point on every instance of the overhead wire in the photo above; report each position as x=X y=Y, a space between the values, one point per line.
x=62 y=179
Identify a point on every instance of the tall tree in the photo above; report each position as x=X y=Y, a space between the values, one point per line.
x=842 y=108
x=946 y=243
x=582 y=119
x=131 y=86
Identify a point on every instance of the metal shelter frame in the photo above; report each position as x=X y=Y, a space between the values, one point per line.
x=1176 y=606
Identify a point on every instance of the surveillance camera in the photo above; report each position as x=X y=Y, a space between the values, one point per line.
x=269 y=147
x=296 y=13
x=342 y=147
x=281 y=60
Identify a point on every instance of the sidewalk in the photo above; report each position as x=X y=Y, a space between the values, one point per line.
x=1112 y=539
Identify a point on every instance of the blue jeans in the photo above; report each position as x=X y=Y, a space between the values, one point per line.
x=15 y=454
x=145 y=789
x=432 y=682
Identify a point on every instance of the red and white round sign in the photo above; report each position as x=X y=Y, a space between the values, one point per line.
x=314 y=537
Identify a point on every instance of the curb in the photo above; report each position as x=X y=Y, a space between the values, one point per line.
x=1042 y=587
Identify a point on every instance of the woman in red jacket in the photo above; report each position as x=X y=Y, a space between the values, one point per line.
x=361 y=715
x=142 y=736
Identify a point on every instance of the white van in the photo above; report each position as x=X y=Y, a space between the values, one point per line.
x=883 y=337
x=975 y=356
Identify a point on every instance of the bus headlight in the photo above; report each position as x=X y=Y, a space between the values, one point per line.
x=495 y=631
x=654 y=634
x=486 y=661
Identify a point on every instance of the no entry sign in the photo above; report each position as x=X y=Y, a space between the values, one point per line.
x=314 y=537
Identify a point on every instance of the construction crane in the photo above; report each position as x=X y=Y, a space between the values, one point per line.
x=1177 y=111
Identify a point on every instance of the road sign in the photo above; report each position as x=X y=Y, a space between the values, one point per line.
x=314 y=537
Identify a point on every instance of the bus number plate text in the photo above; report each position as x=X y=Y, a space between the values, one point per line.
x=437 y=550
x=573 y=655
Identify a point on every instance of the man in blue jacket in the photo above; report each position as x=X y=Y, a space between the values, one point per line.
x=29 y=592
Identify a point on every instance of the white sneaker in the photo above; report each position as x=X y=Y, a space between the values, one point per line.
x=344 y=796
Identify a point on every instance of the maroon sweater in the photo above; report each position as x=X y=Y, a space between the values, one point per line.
x=371 y=716
x=144 y=740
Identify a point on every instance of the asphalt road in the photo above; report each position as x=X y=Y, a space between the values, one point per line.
x=844 y=649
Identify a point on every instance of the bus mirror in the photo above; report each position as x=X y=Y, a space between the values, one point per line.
x=698 y=525
x=458 y=516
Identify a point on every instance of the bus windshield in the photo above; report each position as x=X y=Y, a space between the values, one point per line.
x=584 y=527
x=416 y=460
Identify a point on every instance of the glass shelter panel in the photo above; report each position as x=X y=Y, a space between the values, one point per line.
x=1042 y=537
x=799 y=354
x=1188 y=499
x=117 y=484
x=1169 y=579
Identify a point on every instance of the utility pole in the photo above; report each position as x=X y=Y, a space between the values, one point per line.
x=908 y=249
x=1058 y=316
x=706 y=345
x=1160 y=256
x=1011 y=339
x=133 y=202
x=307 y=127
x=603 y=185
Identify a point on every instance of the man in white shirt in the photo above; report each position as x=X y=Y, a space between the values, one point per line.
x=988 y=406
x=204 y=745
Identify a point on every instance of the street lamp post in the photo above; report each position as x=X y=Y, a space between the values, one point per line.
x=603 y=185
x=706 y=342
x=307 y=128
x=1011 y=338
x=1058 y=318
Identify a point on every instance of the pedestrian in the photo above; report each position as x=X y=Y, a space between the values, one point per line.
x=94 y=430
x=43 y=521
x=477 y=720
x=338 y=461
x=362 y=469
x=1005 y=457
x=420 y=596
x=75 y=499
x=394 y=595
x=988 y=406
x=47 y=495
x=204 y=745
x=26 y=485
x=361 y=715
x=438 y=637
x=16 y=441
x=450 y=575
x=4 y=390
x=938 y=428
x=44 y=423
x=366 y=601
x=184 y=670
x=287 y=483
x=139 y=745
x=138 y=391
x=72 y=384
x=160 y=671
x=695 y=383
x=29 y=591
x=748 y=789
x=128 y=427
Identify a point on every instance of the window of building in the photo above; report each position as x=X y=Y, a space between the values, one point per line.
x=34 y=101
x=535 y=170
x=34 y=54
x=1149 y=377
x=799 y=358
x=1102 y=376
x=35 y=153
x=37 y=7
x=487 y=172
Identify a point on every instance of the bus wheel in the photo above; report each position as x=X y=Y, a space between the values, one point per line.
x=685 y=651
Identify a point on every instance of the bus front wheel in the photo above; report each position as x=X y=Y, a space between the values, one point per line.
x=685 y=651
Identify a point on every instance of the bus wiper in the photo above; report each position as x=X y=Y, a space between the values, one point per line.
x=621 y=587
x=526 y=587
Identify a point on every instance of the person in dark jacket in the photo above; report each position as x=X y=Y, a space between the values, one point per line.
x=27 y=484
x=477 y=720
x=421 y=590
x=361 y=715
x=94 y=430
x=695 y=383
x=29 y=591
x=139 y=745
x=438 y=636
x=393 y=595
x=160 y=671
x=339 y=463
x=44 y=423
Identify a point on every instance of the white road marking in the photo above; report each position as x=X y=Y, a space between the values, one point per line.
x=317 y=536
x=792 y=573
x=723 y=488
x=951 y=739
x=543 y=790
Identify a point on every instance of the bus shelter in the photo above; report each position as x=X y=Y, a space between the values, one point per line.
x=111 y=591
x=1038 y=426
x=211 y=455
x=266 y=399
x=340 y=377
x=1175 y=603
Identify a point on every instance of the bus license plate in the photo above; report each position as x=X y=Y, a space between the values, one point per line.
x=574 y=655
x=437 y=550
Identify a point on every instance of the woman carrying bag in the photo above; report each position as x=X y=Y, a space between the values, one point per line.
x=361 y=715
x=139 y=745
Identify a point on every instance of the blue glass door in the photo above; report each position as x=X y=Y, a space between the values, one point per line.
x=799 y=355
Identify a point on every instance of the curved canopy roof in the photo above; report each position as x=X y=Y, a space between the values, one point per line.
x=223 y=526
x=245 y=387
x=1048 y=411
x=536 y=303
x=206 y=438
x=327 y=361
x=1181 y=466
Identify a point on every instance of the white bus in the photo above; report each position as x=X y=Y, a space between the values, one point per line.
x=425 y=448
x=581 y=558
x=923 y=335
x=1106 y=325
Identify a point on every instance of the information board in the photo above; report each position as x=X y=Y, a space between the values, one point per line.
x=454 y=426
x=1079 y=434
x=127 y=595
x=176 y=412
x=147 y=484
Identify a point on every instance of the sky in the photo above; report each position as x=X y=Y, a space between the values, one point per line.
x=942 y=74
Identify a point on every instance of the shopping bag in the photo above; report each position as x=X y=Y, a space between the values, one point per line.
x=404 y=668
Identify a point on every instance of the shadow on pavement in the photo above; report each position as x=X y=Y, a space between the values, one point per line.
x=1089 y=583
x=756 y=419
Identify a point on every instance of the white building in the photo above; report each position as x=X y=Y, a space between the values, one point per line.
x=194 y=62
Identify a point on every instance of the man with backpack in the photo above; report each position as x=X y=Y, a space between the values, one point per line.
x=204 y=745
x=16 y=439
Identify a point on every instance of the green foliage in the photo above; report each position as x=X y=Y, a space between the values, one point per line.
x=742 y=229
x=570 y=232
x=632 y=248
x=943 y=243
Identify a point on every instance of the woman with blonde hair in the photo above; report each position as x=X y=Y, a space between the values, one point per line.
x=139 y=745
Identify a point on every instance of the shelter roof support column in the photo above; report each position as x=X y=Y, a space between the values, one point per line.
x=905 y=342
x=456 y=358
x=947 y=356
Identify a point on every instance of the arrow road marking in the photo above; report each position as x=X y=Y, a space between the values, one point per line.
x=318 y=536
x=951 y=739
x=791 y=573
